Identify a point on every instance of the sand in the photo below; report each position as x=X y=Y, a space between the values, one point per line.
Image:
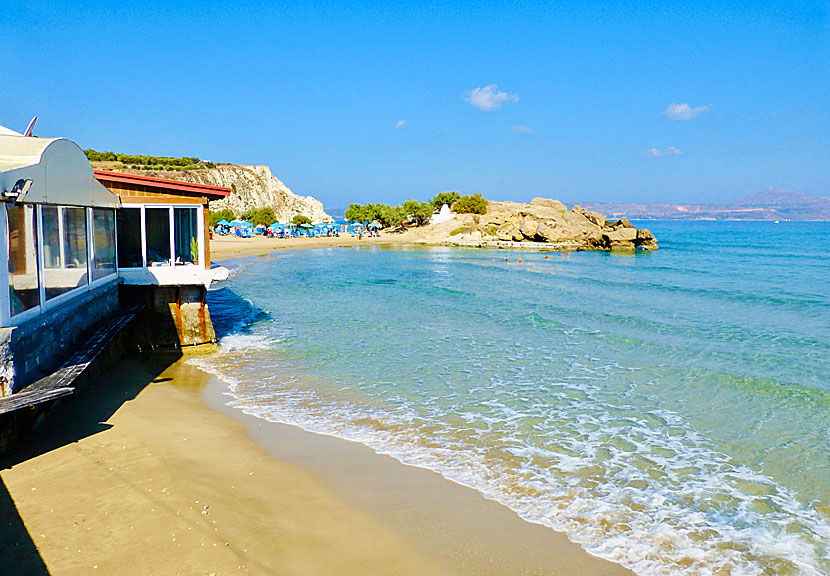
x=150 y=473
x=225 y=247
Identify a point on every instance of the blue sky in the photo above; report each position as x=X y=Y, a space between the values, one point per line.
x=651 y=102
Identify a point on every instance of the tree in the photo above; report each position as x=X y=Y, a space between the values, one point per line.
x=300 y=219
x=223 y=214
x=442 y=198
x=260 y=216
x=419 y=213
x=472 y=204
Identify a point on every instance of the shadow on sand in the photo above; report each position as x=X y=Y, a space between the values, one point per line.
x=79 y=416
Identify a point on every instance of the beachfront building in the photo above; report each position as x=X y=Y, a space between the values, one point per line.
x=164 y=254
x=58 y=240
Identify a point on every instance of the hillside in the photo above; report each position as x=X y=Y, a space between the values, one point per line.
x=770 y=204
x=251 y=187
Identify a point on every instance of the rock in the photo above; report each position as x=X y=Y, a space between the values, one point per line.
x=622 y=223
x=529 y=227
x=547 y=202
x=645 y=239
x=256 y=187
x=594 y=217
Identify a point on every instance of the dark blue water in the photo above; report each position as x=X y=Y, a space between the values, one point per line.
x=668 y=410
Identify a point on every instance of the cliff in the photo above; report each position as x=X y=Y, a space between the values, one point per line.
x=543 y=223
x=255 y=187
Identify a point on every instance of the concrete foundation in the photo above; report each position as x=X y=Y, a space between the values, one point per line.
x=36 y=348
x=175 y=317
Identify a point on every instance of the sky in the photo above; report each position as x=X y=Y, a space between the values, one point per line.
x=386 y=101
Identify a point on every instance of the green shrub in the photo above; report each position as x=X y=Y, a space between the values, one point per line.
x=223 y=214
x=299 y=219
x=442 y=198
x=471 y=204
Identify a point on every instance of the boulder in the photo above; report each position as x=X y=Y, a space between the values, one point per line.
x=591 y=216
x=529 y=227
x=548 y=203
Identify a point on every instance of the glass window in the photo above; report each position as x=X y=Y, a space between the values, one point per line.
x=157 y=223
x=186 y=235
x=51 y=236
x=103 y=243
x=24 y=287
x=129 y=238
x=69 y=271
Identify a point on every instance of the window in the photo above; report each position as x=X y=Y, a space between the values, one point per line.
x=24 y=286
x=64 y=249
x=159 y=236
x=186 y=235
x=130 y=253
x=103 y=244
x=157 y=223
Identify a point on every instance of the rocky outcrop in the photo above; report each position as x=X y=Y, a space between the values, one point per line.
x=545 y=222
x=254 y=187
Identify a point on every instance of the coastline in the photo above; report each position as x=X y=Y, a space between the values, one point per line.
x=150 y=472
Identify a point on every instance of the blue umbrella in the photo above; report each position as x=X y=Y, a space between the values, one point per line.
x=277 y=225
x=223 y=222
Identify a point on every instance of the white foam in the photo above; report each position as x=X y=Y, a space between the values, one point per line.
x=644 y=490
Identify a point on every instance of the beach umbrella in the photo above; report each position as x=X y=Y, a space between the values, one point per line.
x=246 y=224
x=291 y=225
x=373 y=225
x=223 y=222
x=235 y=223
x=304 y=225
x=277 y=225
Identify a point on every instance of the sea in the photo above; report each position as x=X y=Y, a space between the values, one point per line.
x=667 y=410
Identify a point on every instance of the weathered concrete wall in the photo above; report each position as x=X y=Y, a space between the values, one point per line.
x=175 y=317
x=32 y=350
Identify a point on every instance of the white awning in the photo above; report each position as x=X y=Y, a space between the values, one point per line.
x=58 y=169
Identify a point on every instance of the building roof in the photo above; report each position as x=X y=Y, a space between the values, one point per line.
x=57 y=168
x=163 y=184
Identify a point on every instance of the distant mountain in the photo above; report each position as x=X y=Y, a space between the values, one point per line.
x=770 y=204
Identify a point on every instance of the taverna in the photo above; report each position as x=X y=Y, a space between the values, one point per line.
x=88 y=259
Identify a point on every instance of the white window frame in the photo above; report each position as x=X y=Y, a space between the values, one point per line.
x=200 y=232
x=6 y=319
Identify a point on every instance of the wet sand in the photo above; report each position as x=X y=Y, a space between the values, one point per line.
x=150 y=473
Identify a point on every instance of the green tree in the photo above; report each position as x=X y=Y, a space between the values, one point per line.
x=358 y=213
x=300 y=219
x=418 y=213
x=223 y=214
x=472 y=204
x=260 y=216
x=442 y=198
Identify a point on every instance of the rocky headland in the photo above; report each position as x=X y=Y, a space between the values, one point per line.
x=544 y=224
x=251 y=187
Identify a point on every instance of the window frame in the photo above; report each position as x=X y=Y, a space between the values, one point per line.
x=200 y=232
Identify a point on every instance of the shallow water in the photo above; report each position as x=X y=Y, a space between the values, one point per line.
x=669 y=410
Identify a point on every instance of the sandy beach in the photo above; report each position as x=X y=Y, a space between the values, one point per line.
x=150 y=473
x=224 y=247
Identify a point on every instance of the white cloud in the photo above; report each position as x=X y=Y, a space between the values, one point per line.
x=670 y=151
x=400 y=124
x=684 y=111
x=489 y=98
x=517 y=129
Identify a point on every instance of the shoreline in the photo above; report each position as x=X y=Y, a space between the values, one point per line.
x=151 y=472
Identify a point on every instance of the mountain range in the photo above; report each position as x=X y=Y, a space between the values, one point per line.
x=770 y=204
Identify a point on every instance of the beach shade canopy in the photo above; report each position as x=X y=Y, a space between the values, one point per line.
x=246 y=224
x=291 y=225
x=235 y=223
x=304 y=225
x=223 y=222
x=277 y=225
x=373 y=225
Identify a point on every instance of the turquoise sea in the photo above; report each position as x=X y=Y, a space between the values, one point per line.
x=669 y=411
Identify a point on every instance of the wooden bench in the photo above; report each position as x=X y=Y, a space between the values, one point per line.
x=60 y=382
